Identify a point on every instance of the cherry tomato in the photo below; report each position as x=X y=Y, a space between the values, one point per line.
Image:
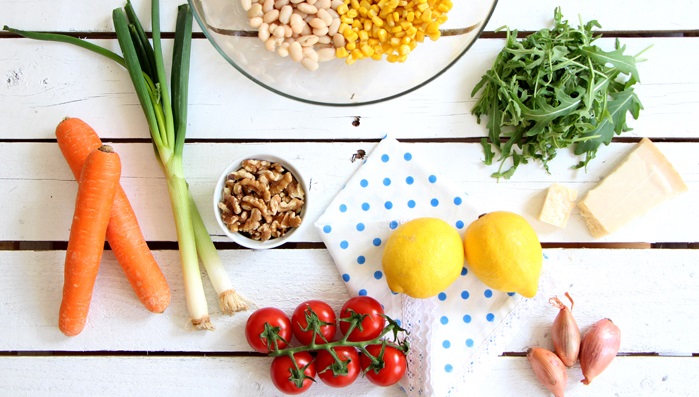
x=325 y=364
x=371 y=325
x=394 y=364
x=257 y=334
x=322 y=314
x=287 y=378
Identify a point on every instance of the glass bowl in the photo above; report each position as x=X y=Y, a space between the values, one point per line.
x=245 y=240
x=226 y=24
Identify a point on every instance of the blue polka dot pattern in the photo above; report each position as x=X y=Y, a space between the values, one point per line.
x=396 y=183
x=488 y=293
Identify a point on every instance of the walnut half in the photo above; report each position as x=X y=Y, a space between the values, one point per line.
x=262 y=200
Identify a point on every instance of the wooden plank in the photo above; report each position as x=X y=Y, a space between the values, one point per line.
x=41 y=87
x=650 y=294
x=248 y=376
x=96 y=17
x=33 y=191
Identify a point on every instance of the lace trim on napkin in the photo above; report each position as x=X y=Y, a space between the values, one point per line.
x=500 y=337
x=418 y=315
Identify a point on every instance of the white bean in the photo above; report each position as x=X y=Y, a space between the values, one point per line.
x=279 y=31
x=309 y=52
x=325 y=16
x=295 y=51
x=283 y=50
x=322 y=4
x=334 y=3
x=268 y=5
x=246 y=4
x=339 y=40
x=326 y=54
x=280 y=3
x=255 y=11
x=308 y=40
x=270 y=45
x=310 y=64
x=325 y=40
x=307 y=8
x=263 y=32
x=317 y=23
x=271 y=16
x=311 y=2
x=287 y=31
x=321 y=31
x=255 y=22
x=285 y=14
x=334 y=27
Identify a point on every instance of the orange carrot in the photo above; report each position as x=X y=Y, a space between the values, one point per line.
x=98 y=183
x=76 y=140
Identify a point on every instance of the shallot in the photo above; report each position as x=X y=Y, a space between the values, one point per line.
x=565 y=332
x=549 y=369
x=598 y=348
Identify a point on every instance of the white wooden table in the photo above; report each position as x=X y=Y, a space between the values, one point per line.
x=650 y=290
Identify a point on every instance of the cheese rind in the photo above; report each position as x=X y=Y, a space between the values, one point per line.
x=559 y=202
x=643 y=180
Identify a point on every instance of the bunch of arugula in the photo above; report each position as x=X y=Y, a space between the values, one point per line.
x=554 y=89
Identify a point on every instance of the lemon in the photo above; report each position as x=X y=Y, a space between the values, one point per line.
x=423 y=257
x=504 y=252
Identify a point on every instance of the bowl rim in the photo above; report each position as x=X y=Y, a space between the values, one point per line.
x=206 y=30
x=238 y=237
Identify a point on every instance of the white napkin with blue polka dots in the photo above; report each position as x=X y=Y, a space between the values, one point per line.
x=392 y=187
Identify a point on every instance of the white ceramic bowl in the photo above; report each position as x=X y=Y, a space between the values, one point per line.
x=241 y=238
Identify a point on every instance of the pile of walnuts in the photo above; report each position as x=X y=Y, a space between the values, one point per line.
x=262 y=200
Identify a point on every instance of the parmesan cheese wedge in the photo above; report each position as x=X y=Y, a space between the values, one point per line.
x=558 y=204
x=643 y=180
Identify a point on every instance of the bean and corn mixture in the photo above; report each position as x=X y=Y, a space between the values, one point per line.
x=314 y=31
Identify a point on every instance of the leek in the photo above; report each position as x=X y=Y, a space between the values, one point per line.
x=167 y=121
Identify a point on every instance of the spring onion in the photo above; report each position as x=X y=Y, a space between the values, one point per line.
x=166 y=114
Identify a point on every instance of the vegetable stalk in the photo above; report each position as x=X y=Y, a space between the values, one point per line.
x=167 y=122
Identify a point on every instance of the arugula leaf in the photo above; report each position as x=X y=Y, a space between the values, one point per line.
x=551 y=90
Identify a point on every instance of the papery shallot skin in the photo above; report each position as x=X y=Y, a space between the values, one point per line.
x=549 y=369
x=565 y=333
x=598 y=348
